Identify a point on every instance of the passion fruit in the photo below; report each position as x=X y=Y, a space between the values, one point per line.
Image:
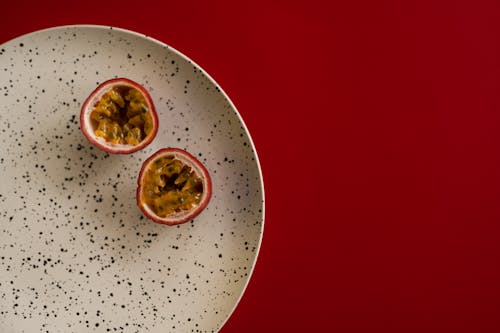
x=173 y=187
x=119 y=117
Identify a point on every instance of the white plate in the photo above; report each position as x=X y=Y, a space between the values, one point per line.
x=76 y=255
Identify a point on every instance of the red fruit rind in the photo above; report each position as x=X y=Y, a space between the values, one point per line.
x=197 y=167
x=88 y=128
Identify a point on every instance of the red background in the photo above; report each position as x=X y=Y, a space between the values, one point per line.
x=378 y=128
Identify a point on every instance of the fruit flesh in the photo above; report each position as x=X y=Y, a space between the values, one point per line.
x=121 y=116
x=170 y=186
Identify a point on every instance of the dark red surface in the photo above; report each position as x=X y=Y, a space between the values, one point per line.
x=378 y=128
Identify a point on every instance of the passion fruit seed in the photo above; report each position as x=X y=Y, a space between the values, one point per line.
x=170 y=186
x=122 y=116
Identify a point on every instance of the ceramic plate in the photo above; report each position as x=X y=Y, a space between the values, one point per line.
x=76 y=254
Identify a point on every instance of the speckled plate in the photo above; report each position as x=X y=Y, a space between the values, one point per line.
x=76 y=254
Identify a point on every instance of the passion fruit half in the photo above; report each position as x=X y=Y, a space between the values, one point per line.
x=119 y=117
x=173 y=187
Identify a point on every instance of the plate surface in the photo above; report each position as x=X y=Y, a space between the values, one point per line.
x=76 y=254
